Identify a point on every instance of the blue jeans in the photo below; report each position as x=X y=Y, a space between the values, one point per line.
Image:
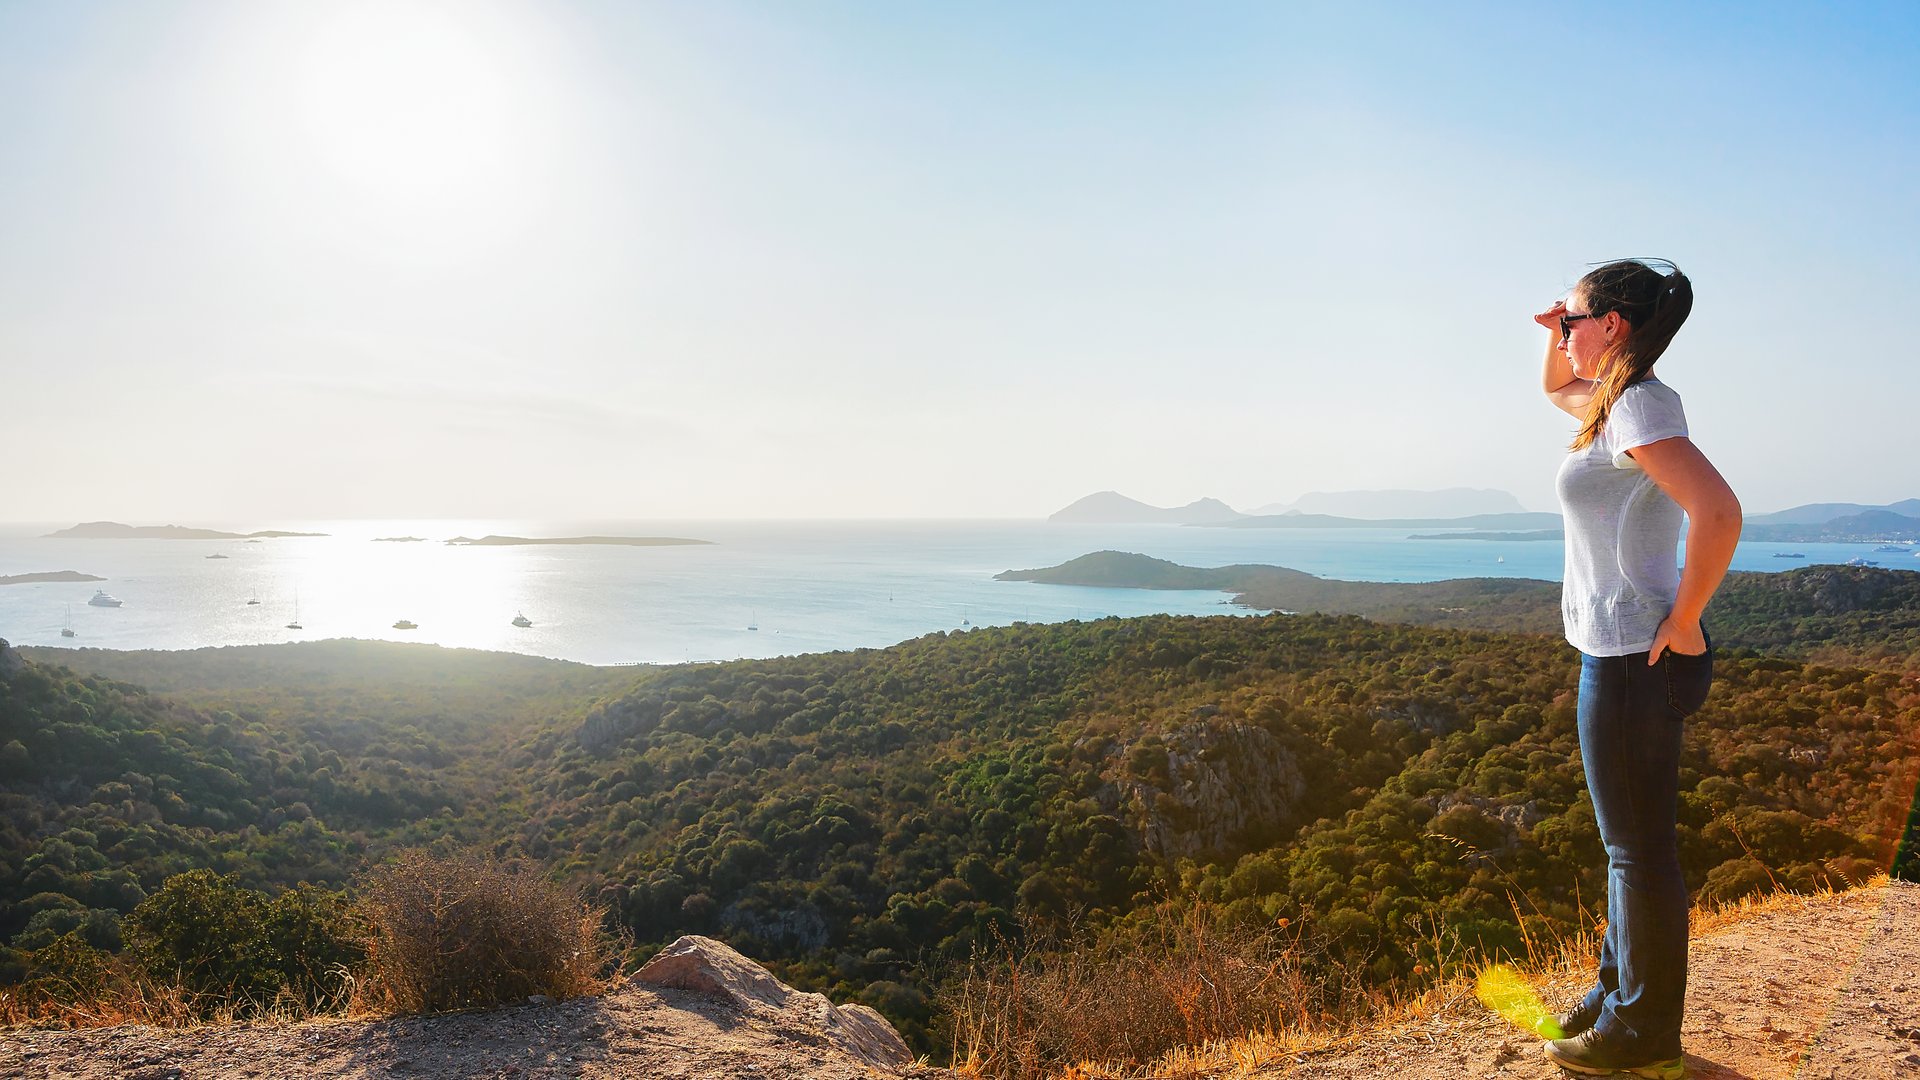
x=1630 y=725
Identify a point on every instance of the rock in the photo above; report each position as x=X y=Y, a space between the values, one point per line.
x=709 y=967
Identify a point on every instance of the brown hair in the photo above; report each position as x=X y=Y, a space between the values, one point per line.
x=1654 y=302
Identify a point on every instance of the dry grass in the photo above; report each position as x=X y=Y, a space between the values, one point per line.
x=467 y=930
x=1061 y=1007
x=124 y=995
x=1448 y=1008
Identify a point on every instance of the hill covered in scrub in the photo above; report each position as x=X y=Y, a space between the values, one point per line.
x=862 y=822
x=1835 y=614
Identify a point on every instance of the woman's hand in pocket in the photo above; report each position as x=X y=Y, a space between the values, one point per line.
x=1681 y=637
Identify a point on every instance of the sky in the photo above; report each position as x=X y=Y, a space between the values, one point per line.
x=264 y=261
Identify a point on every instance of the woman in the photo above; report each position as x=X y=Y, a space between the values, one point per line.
x=1635 y=617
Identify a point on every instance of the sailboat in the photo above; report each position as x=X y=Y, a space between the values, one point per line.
x=295 y=624
x=754 y=624
x=253 y=600
x=67 y=630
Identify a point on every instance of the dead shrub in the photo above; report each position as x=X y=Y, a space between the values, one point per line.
x=1180 y=979
x=467 y=930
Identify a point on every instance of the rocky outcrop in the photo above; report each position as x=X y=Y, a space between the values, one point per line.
x=709 y=967
x=1208 y=784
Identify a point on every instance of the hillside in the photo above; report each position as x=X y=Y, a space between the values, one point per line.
x=1813 y=986
x=1825 y=613
x=861 y=821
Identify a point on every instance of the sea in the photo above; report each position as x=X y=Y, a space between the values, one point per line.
x=758 y=589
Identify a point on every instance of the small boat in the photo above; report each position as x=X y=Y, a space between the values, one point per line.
x=1892 y=547
x=522 y=620
x=1862 y=562
x=406 y=624
x=1789 y=555
x=754 y=623
x=216 y=556
x=101 y=599
x=67 y=630
x=254 y=600
x=295 y=624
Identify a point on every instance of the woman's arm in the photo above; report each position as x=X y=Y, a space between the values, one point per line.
x=1713 y=529
x=1569 y=394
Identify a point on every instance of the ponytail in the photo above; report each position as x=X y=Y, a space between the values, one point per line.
x=1654 y=304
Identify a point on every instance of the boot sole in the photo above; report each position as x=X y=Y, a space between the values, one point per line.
x=1671 y=1069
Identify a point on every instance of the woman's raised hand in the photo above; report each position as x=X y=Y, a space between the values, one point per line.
x=1550 y=318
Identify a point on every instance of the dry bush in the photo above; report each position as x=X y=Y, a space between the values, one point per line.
x=1181 y=979
x=466 y=930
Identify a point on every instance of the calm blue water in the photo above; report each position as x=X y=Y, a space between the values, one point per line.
x=808 y=586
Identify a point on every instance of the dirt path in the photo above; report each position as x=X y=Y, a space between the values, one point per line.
x=1820 y=987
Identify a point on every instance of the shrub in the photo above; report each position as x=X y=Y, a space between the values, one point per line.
x=203 y=932
x=229 y=948
x=465 y=930
x=1180 y=979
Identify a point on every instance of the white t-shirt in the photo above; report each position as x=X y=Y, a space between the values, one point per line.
x=1622 y=531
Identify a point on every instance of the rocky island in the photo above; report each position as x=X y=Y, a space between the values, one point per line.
x=1522 y=604
x=55 y=575
x=113 y=530
x=1481 y=534
x=614 y=541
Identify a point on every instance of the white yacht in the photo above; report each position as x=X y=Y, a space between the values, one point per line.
x=520 y=619
x=101 y=599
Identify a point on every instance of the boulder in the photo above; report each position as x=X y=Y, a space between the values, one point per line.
x=705 y=966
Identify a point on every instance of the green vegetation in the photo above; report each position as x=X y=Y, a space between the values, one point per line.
x=1858 y=615
x=1403 y=796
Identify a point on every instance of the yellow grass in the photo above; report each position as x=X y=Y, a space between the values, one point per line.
x=1448 y=1008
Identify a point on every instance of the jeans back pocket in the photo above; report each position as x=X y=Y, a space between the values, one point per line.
x=1689 y=677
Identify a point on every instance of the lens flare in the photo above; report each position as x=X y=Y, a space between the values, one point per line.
x=1502 y=991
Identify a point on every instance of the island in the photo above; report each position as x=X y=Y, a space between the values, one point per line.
x=615 y=541
x=113 y=530
x=1476 y=534
x=1869 y=527
x=1526 y=605
x=55 y=575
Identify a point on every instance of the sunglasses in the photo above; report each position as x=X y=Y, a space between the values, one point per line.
x=1567 y=321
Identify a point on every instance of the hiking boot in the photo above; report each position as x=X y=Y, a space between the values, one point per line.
x=1589 y=1055
x=1566 y=1025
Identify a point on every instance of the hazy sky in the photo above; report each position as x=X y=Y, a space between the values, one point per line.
x=265 y=260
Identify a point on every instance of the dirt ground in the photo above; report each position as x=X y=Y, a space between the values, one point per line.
x=1809 y=988
x=641 y=1032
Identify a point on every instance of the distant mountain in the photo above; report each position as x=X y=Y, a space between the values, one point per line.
x=1445 y=503
x=1523 y=521
x=1868 y=526
x=1821 y=513
x=113 y=530
x=1111 y=507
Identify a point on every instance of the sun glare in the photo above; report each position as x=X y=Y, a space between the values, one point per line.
x=409 y=103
